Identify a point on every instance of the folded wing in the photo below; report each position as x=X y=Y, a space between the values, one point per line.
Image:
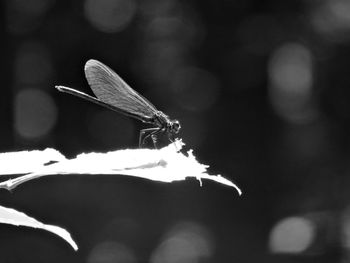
x=111 y=89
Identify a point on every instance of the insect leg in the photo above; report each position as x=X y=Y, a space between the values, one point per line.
x=154 y=137
x=143 y=135
x=171 y=137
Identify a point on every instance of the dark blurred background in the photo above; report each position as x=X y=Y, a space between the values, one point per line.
x=262 y=89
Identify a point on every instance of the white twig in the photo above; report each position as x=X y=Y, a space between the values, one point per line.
x=164 y=165
x=14 y=217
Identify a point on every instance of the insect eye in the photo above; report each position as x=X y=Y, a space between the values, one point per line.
x=176 y=126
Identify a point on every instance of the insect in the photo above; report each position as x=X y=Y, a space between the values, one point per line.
x=113 y=93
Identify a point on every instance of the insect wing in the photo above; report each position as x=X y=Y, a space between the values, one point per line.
x=111 y=89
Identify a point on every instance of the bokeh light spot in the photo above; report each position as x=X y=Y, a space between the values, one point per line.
x=187 y=242
x=110 y=16
x=291 y=235
x=35 y=113
x=331 y=19
x=111 y=252
x=290 y=83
